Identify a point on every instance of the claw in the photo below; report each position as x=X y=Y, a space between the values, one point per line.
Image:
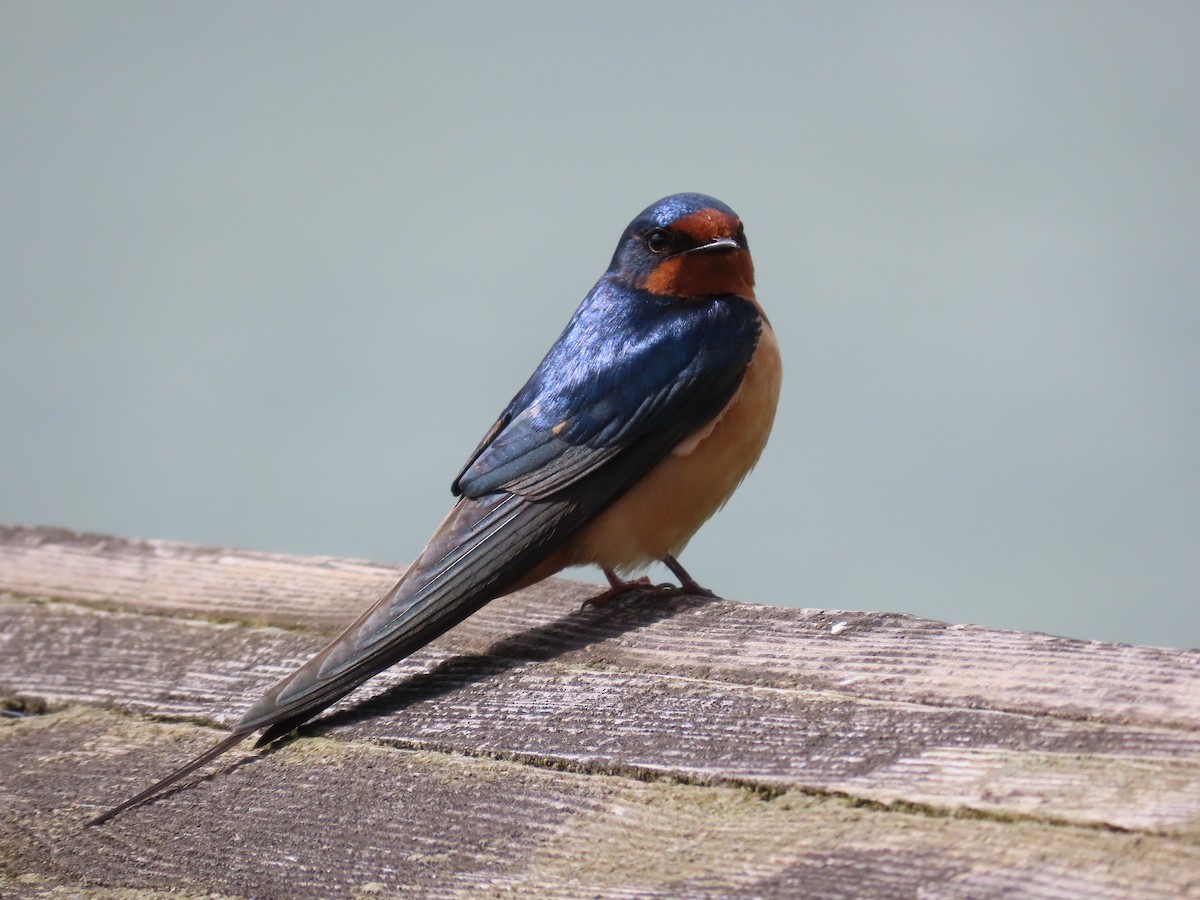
x=617 y=587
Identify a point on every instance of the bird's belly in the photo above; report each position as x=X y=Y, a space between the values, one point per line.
x=659 y=514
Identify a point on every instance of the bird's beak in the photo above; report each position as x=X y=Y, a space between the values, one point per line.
x=721 y=243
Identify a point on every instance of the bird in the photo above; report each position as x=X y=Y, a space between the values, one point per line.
x=643 y=418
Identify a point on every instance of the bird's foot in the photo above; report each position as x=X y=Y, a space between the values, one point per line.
x=687 y=584
x=618 y=587
x=688 y=589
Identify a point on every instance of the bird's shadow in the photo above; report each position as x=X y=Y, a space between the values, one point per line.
x=588 y=625
x=574 y=631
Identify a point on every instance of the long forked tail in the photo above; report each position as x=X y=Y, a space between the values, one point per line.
x=481 y=551
x=182 y=772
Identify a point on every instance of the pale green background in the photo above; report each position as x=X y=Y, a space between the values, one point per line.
x=268 y=270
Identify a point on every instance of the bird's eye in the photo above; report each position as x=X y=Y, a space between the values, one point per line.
x=658 y=241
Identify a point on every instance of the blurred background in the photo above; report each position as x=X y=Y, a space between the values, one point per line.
x=269 y=270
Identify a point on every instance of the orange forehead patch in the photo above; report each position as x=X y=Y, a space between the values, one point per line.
x=705 y=224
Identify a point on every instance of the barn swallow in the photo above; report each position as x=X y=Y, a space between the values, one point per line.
x=649 y=410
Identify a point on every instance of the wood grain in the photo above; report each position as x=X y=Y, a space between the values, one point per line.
x=444 y=825
x=689 y=748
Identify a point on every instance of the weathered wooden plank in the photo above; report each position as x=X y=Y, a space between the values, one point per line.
x=585 y=713
x=864 y=737
x=870 y=655
x=171 y=578
x=320 y=818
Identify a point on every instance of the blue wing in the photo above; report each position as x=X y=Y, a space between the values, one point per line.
x=631 y=368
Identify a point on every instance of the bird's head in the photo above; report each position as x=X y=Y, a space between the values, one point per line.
x=685 y=245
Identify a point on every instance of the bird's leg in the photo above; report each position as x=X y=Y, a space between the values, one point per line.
x=687 y=584
x=617 y=586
